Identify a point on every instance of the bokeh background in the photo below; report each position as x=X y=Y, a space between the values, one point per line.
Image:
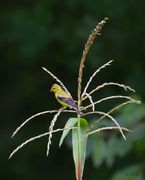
x=52 y=33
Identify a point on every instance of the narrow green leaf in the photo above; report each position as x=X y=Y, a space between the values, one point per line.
x=71 y=122
x=79 y=147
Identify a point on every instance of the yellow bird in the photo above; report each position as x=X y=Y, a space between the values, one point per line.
x=64 y=98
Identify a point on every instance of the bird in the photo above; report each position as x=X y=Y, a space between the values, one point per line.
x=64 y=98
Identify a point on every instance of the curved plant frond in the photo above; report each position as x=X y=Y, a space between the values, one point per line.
x=94 y=74
x=108 y=84
x=37 y=137
x=111 y=97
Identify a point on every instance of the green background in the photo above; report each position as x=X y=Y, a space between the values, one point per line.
x=52 y=33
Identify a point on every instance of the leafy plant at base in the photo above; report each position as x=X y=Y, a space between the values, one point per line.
x=79 y=126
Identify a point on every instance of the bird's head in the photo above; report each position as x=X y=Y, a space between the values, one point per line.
x=55 y=88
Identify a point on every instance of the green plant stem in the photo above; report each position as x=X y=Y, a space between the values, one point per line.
x=79 y=173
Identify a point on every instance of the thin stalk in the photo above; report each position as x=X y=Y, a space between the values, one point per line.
x=79 y=152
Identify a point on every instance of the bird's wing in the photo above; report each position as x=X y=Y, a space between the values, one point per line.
x=67 y=100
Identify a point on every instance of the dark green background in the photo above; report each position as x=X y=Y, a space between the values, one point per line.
x=52 y=33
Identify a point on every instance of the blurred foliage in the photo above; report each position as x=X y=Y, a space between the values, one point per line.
x=52 y=34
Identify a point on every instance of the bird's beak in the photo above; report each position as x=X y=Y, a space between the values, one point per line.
x=50 y=90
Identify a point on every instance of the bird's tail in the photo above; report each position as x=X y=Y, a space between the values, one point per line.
x=78 y=111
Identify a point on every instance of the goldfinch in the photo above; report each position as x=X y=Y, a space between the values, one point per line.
x=64 y=98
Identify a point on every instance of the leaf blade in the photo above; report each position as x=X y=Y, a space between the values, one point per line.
x=71 y=122
x=79 y=147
